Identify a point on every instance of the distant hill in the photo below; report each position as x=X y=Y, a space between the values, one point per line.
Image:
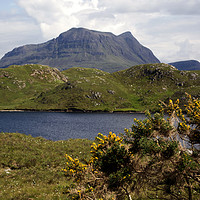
x=138 y=88
x=79 y=47
x=187 y=65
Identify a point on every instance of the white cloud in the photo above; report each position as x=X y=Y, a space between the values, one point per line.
x=164 y=33
x=56 y=16
x=146 y=6
x=17 y=30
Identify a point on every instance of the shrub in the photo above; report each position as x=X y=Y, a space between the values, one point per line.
x=150 y=160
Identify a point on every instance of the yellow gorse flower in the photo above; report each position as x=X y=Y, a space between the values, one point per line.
x=192 y=109
x=103 y=142
x=74 y=167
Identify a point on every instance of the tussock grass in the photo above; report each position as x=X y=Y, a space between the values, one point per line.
x=31 y=168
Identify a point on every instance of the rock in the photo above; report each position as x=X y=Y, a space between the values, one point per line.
x=111 y=91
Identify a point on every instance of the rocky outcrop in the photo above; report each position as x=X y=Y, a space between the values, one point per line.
x=20 y=76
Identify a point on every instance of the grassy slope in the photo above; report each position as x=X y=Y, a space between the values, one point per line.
x=87 y=89
x=20 y=84
x=137 y=88
x=153 y=82
x=31 y=168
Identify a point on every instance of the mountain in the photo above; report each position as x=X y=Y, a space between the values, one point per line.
x=79 y=47
x=187 y=65
x=138 y=88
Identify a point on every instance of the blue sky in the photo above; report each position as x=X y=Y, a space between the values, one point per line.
x=171 y=29
x=6 y=5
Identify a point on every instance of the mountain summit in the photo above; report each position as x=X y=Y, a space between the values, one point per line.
x=79 y=47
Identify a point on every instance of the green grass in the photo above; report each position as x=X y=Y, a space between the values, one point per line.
x=150 y=83
x=88 y=89
x=31 y=168
x=20 y=84
x=138 y=88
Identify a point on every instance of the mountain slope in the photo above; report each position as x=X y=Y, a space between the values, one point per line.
x=187 y=65
x=138 y=88
x=81 y=47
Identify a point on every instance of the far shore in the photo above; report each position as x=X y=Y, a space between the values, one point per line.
x=11 y=110
x=70 y=111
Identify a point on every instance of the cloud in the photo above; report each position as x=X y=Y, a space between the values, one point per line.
x=57 y=15
x=163 y=26
x=154 y=6
x=16 y=30
x=188 y=48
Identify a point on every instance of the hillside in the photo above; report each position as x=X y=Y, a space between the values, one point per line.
x=187 y=65
x=153 y=82
x=20 y=84
x=87 y=89
x=36 y=87
x=79 y=47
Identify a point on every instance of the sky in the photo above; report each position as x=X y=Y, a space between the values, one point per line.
x=170 y=28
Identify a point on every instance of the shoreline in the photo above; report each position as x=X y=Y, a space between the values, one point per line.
x=71 y=111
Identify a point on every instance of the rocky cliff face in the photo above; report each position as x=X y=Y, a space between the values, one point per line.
x=80 y=47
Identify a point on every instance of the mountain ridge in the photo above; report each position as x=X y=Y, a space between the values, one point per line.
x=80 y=47
x=187 y=65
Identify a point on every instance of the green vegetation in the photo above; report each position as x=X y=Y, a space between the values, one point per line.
x=147 y=162
x=153 y=82
x=88 y=89
x=37 y=87
x=19 y=85
x=31 y=168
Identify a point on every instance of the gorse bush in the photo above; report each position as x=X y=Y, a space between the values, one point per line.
x=157 y=158
x=108 y=170
x=112 y=158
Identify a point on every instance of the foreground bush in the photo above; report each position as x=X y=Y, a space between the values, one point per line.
x=157 y=159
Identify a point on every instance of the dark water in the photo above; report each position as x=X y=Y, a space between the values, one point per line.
x=62 y=126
